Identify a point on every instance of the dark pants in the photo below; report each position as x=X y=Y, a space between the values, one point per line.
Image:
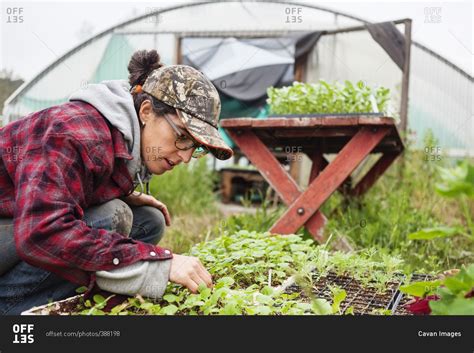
x=23 y=286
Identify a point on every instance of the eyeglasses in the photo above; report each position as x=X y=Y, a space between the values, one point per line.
x=185 y=143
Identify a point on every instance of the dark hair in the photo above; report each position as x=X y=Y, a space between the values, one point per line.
x=141 y=64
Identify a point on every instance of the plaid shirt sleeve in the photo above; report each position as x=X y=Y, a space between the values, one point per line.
x=52 y=181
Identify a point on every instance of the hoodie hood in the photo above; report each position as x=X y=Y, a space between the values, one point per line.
x=114 y=101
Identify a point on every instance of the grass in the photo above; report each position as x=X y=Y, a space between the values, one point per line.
x=187 y=189
x=403 y=201
x=188 y=192
x=188 y=230
x=260 y=221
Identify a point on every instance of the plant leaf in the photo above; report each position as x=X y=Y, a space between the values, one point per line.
x=170 y=298
x=169 y=310
x=420 y=289
x=98 y=299
x=433 y=233
x=321 y=306
x=81 y=290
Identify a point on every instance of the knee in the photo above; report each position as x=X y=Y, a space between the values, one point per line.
x=155 y=224
x=122 y=218
x=114 y=215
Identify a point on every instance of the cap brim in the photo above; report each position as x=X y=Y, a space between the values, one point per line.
x=207 y=135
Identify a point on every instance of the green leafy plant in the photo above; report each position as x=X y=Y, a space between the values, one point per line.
x=455 y=293
x=434 y=233
x=338 y=297
x=95 y=306
x=249 y=268
x=323 y=97
x=421 y=289
x=457 y=183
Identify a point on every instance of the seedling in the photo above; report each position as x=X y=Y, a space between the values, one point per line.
x=248 y=266
x=323 y=97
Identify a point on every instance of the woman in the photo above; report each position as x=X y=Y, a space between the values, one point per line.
x=69 y=216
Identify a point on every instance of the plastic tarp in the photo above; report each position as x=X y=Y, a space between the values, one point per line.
x=243 y=68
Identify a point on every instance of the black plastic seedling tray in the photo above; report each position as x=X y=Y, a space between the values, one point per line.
x=402 y=299
x=363 y=299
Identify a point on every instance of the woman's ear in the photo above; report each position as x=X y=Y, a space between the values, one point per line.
x=146 y=111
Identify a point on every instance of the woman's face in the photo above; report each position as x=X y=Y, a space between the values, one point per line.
x=158 y=149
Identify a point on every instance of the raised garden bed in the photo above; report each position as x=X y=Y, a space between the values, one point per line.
x=360 y=299
x=60 y=307
x=254 y=274
x=364 y=300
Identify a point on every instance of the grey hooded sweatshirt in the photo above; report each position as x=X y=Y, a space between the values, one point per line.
x=114 y=101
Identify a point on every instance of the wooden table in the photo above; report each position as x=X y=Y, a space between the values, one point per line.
x=351 y=137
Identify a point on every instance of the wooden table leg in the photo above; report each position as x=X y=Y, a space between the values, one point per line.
x=267 y=164
x=275 y=175
x=323 y=164
x=315 y=224
x=309 y=202
x=374 y=173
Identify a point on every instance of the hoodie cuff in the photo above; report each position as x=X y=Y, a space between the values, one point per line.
x=147 y=278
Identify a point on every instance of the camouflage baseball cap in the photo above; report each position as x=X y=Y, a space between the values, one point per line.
x=196 y=101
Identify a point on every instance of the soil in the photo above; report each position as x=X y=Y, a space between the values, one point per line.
x=63 y=307
x=67 y=307
x=75 y=304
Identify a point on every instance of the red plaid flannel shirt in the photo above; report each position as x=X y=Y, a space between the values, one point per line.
x=54 y=164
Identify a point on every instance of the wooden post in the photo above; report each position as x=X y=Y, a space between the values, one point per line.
x=299 y=74
x=405 y=80
x=404 y=98
x=179 y=58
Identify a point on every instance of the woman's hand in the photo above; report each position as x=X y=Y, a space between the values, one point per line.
x=189 y=272
x=137 y=199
